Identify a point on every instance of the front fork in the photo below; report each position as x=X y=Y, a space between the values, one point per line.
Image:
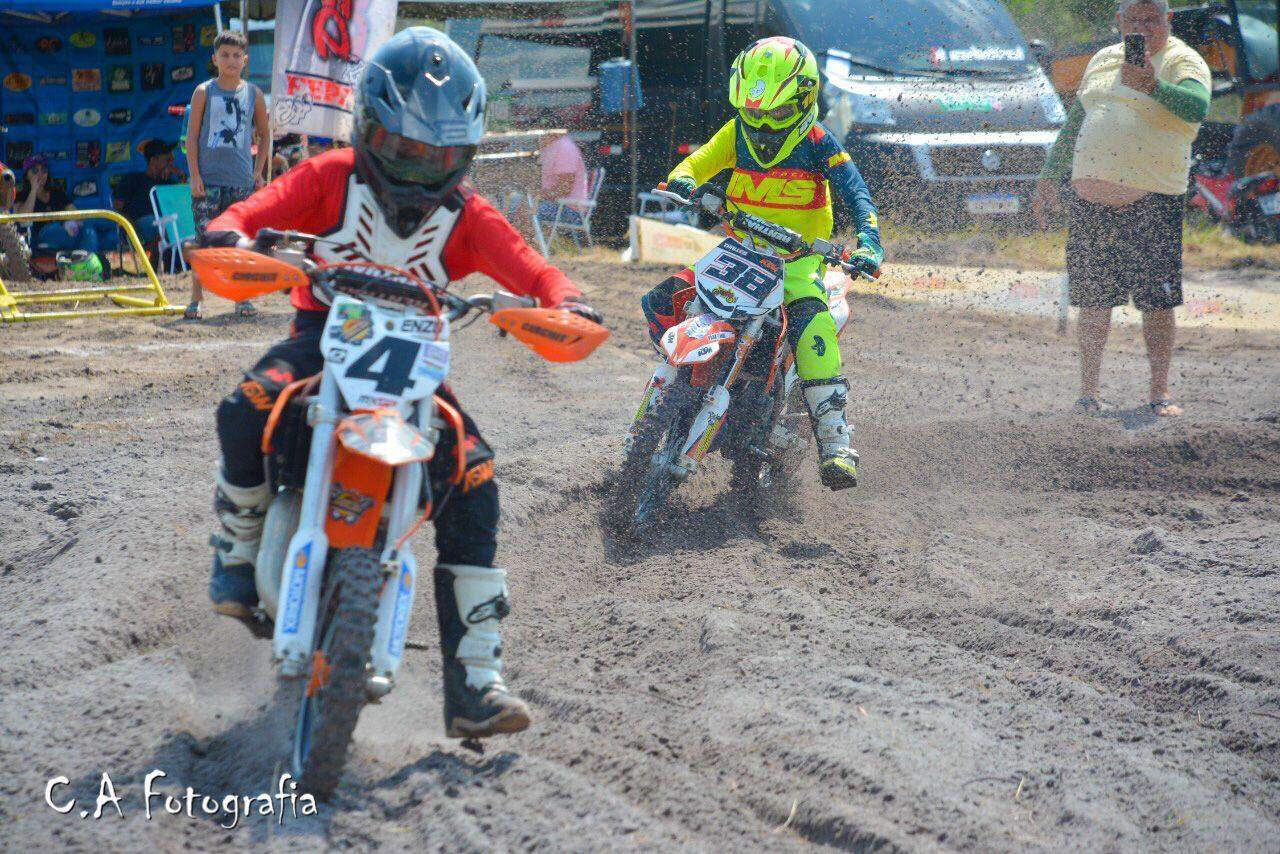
x=302 y=578
x=715 y=404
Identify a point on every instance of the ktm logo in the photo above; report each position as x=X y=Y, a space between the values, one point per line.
x=257 y=395
x=477 y=475
x=793 y=189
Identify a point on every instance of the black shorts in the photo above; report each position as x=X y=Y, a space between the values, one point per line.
x=1115 y=254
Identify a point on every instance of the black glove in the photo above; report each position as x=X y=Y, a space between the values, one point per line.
x=683 y=187
x=220 y=238
x=575 y=306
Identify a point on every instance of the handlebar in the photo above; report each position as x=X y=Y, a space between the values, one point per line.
x=780 y=237
x=294 y=247
x=459 y=307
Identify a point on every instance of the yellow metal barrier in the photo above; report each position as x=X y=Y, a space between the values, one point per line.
x=153 y=300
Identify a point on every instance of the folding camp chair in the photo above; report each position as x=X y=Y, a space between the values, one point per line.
x=171 y=204
x=573 y=216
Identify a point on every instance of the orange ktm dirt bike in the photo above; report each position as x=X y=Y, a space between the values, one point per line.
x=346 y=455
x=727 y=379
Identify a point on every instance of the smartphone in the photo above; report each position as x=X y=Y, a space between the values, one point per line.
x=1135 y=49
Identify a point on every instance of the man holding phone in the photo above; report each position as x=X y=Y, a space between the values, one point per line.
x=1127 y=148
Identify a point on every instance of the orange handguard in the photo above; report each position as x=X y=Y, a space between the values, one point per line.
x=555 y=335
x=238 y=274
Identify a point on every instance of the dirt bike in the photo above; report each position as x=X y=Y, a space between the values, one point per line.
x=346 y=453
x=728 y=382
x=1251 y=208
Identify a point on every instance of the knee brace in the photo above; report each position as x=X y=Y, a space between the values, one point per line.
x=467 y=527
x=812 y=333
x=240 y=427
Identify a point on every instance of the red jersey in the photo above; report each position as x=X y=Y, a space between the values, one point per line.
x=324 y=196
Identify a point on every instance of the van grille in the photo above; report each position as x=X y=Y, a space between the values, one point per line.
x=966 y=160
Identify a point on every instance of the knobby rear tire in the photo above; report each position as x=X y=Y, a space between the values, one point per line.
x=346 y=637
x=744 y=476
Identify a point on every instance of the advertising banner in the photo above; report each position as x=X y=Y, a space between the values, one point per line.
x=89 y=90
x=62 y=6
x=320 y=48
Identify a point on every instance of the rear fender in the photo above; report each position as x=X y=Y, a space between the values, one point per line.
x=697 y=340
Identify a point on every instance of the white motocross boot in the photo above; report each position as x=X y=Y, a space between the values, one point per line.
x=837 y=462
x=240 y=511
x=470 y=600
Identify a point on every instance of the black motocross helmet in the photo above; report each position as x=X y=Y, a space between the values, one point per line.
x=419 y=116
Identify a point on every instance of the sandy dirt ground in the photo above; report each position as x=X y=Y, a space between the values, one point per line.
x=1025 y=630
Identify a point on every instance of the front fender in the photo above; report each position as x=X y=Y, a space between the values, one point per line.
x=697 y=340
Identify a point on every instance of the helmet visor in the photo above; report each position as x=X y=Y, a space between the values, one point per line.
x=409 y=161
x=778 y=118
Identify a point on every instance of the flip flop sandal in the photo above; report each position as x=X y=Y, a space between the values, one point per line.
x=1088 y=406
x=192 y=312
x=1164 y=408
x=246 y=309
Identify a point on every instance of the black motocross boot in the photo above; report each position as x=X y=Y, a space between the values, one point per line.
x=470 y=600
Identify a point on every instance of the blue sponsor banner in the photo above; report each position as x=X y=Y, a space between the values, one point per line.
x=87 y=91
x=61 y=6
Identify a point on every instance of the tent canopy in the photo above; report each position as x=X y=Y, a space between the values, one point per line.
x=49 y=11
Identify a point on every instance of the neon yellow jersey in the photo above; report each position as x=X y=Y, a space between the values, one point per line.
x=796 y=192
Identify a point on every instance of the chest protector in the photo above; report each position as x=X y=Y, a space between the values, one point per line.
x=362 y=234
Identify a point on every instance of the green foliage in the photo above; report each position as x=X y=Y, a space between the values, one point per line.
x=1062 y=23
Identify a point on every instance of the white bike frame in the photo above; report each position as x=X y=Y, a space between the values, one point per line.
x=302 y=576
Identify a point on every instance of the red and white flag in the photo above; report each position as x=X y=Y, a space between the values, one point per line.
x=319 y=53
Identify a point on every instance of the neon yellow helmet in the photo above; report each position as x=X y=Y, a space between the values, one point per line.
x=773 y=84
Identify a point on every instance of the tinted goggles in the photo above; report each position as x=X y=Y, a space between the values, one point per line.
x=410 y=161
x=777 y=117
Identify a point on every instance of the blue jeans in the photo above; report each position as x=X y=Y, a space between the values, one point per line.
x=54 y=237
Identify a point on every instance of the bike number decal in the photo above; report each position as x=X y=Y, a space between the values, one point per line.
x=732 y=277
x=388 y=363
x=740 y=273
x=379 y=357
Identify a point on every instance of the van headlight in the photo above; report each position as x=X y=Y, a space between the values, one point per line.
x=869 y=110
x=1053 y=111
x=850 y=110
